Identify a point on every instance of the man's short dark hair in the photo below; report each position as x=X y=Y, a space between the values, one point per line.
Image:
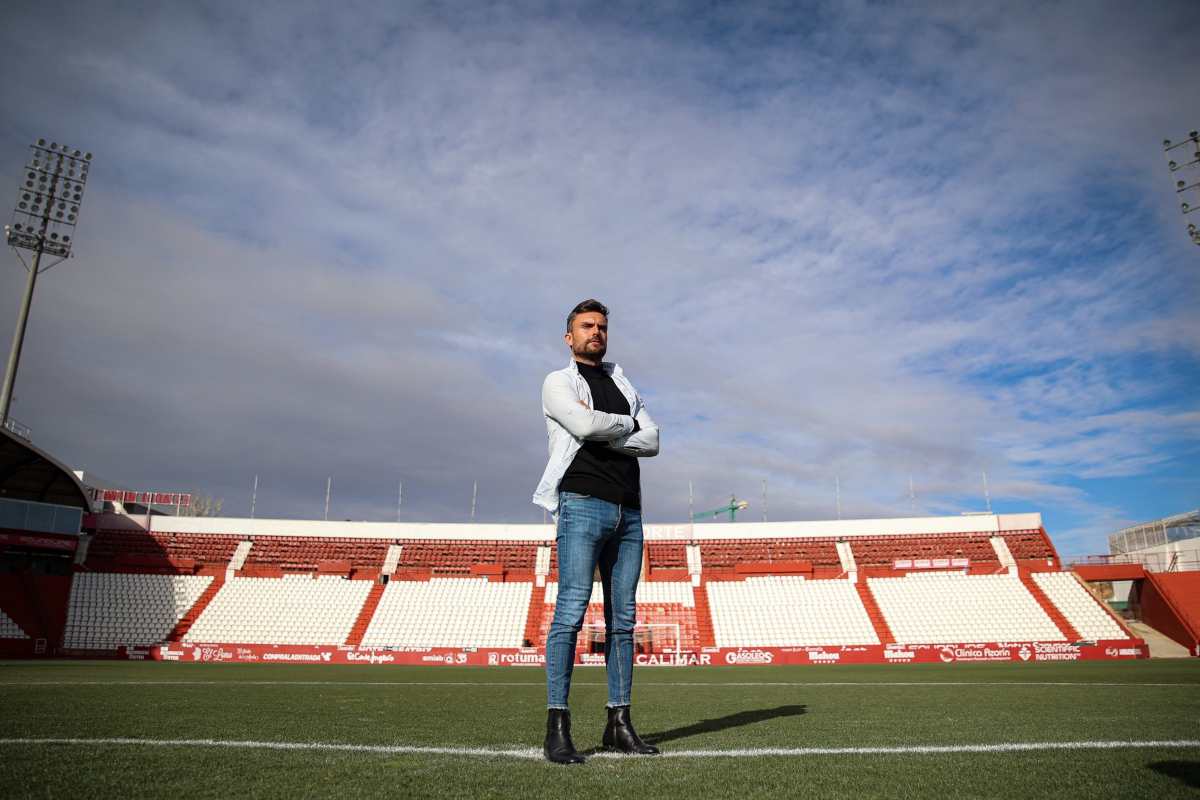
x=583 y=308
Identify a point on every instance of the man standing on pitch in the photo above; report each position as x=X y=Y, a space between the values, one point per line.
x=598 y=428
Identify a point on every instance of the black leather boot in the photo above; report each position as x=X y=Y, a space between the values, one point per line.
x=620 y=735
x=559 y=747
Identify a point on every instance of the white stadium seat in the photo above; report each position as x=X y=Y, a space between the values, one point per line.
x=10 y=629
x=950 y=607
x=787 y=610
x=1079 y=607
x=113 y=609
x=294 y=609
x=450 y=612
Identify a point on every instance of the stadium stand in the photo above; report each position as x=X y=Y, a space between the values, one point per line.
x=1030 y=544
x=870 y=551
x=667 y=555
x=328 y=555
x=1082 y=611
x=1066 y=630
x=783 y=610
x=289 y=583
x=10 y=629
x=294 y=609
x=450 y=612
x=725 y=555
x=109 y=610
x=451 y=556
x=142 y=551
x=948 y=607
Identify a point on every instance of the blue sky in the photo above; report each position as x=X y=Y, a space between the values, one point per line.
x=859 y=241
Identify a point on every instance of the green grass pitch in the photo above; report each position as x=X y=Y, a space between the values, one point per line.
x=692 y=711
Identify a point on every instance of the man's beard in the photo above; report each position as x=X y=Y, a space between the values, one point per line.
x=584 y=352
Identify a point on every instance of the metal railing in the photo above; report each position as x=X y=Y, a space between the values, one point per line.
x=1180 y=561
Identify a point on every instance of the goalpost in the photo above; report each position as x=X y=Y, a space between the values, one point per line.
x=595 y=633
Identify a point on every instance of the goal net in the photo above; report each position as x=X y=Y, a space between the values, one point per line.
x=648 y=637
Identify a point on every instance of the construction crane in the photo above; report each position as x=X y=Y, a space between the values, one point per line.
x=731 y=508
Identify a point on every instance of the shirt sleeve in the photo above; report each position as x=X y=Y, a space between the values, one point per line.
x=563 y=405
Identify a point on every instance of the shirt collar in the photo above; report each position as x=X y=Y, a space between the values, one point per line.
x=609 y=367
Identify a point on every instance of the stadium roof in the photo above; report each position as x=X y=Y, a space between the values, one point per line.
x=28 y=473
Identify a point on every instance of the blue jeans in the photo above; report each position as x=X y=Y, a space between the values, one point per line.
x=591 y=532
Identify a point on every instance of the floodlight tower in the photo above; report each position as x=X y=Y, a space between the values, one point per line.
x=43 y=220
x=1191 y=183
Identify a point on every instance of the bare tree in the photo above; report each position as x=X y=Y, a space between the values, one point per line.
x=202 y=505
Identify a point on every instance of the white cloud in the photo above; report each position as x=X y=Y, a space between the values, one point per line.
x=917 y=242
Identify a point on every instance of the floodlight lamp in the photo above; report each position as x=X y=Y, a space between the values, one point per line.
x=1185 y=207
x=1194 y=134
x=1172 y=166
x=41 y=142
x=1166 y=143
x=1180 y=184
x=87 y=157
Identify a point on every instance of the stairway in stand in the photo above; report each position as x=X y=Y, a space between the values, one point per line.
x=188 y=619
x=1068 y=632
x=876 y=616
x=359 y=629
x=704 y=626
x=533 y=620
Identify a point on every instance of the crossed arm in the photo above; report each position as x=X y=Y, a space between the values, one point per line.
x=622 y=432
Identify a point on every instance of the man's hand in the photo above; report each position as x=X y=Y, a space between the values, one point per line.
x=585 y=405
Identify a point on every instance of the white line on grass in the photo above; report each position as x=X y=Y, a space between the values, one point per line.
x=529 y=753
x=581 y=683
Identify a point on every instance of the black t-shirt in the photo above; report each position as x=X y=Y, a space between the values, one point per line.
x=597 y=469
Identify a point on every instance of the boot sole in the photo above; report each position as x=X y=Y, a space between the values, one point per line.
x=613 y=749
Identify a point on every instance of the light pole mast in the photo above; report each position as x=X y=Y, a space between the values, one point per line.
x=1181 y=184
x=43 y=219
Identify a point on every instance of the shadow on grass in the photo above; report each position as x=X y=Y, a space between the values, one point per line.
x=719 y=724
x=1186 y=772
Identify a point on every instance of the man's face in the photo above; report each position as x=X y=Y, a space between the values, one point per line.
x=588 y=337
